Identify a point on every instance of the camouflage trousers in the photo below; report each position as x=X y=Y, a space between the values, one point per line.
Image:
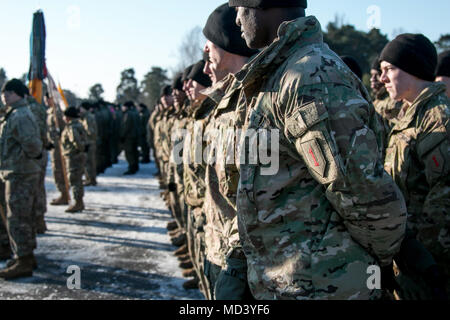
x=75 y=167
x=57 y=168
x=131 y=154
x=145 y=148
x=19 y=195
x=4 y=238
x=40 y=204
x=196 y=246
x=212 y=272
x=91 y=164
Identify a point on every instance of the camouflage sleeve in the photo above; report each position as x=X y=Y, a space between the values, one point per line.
x=433 y=146
x=26 y=133
x=330 y=127
x=77 y=138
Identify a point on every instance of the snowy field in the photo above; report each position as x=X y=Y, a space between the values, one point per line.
x=119 y=242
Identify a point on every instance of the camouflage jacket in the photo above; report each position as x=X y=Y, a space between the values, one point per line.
x=177 y=136
x=21 y=147
x=130 y=128
x=195 y=147
x=418 y=158
x=40 y=113
x=163 y=127
x=388 y=109
x=311 y=228
x=90 y=126
x=54 y=129
x=74 y=139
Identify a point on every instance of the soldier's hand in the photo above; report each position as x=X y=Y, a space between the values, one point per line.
x=50 y=146
x=388 y=281
x=86 y=149
x=172 y=187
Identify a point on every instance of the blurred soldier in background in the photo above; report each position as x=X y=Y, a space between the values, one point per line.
x=90 y=126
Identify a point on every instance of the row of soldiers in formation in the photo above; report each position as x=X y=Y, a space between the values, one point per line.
x=82 y=141
x=361 y=180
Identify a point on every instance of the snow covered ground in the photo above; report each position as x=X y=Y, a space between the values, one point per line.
x=120 y=244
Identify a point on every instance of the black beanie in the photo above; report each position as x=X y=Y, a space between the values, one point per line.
x=414 y=54
x=443 y=68
x=376 y=64
x=16 y=86
x=129 y=104
x=198 y=75
x=186 y=72
x=264 y=4
x=222 y=30
x=353 y=65
x=72 y=112
x=178 y=81
x=166 y=91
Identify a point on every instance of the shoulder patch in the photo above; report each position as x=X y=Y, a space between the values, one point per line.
x=314 y=155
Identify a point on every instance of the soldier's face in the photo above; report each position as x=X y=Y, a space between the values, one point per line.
x=445 y=80
x=399 y=84
x=253 y=23
x=195 y=91
x=167 y=101
x=375 y=82
x=178 y=97
x=9 y=97
x=217 y=68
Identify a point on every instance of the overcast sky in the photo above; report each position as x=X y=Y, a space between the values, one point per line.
x=91 y=42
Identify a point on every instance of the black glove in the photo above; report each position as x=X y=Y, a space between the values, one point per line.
x=86 y=149
x=172 y=187
x=388 y=281
x=50 y=147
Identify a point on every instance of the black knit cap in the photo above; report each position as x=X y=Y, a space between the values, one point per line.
x=198 y=75
x=178 y=81
x=129 y=104
x=72 y=112
x=353 y=65
x=222 y=30
x=414 y=54
x=376 y=64
x=443 y=68
x=264 y=4
x=186 y=72
x=166 y=91
x=16 y=86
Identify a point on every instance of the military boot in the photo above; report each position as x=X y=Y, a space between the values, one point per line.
x=63 y=200
x=175 y=233
x=185 y=257
x=181 y=251
x=191 y=284
x=186 y=265
x=189 y=273
x=5 y=252
x=77 y=207
x=22 y=268
x=172 y=225
x=11 y=262
x=179 y=240
x=41 y=226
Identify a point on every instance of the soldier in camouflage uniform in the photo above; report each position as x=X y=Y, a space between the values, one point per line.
x=20 y=156
x=419 y=161
x=175 y=133
x=144 y=116
x=129 y=135
x=227 y=53
x=387 y=108
x=90 y=126
x=313 y=219
x=74 y=142
x=55 y=125
x=40 y=206
x=154 y=118
x=443 y=70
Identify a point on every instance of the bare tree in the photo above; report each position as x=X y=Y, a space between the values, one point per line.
x=191 y=48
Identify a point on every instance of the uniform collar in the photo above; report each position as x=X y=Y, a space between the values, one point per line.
x=424 y=97
x=291 y=36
